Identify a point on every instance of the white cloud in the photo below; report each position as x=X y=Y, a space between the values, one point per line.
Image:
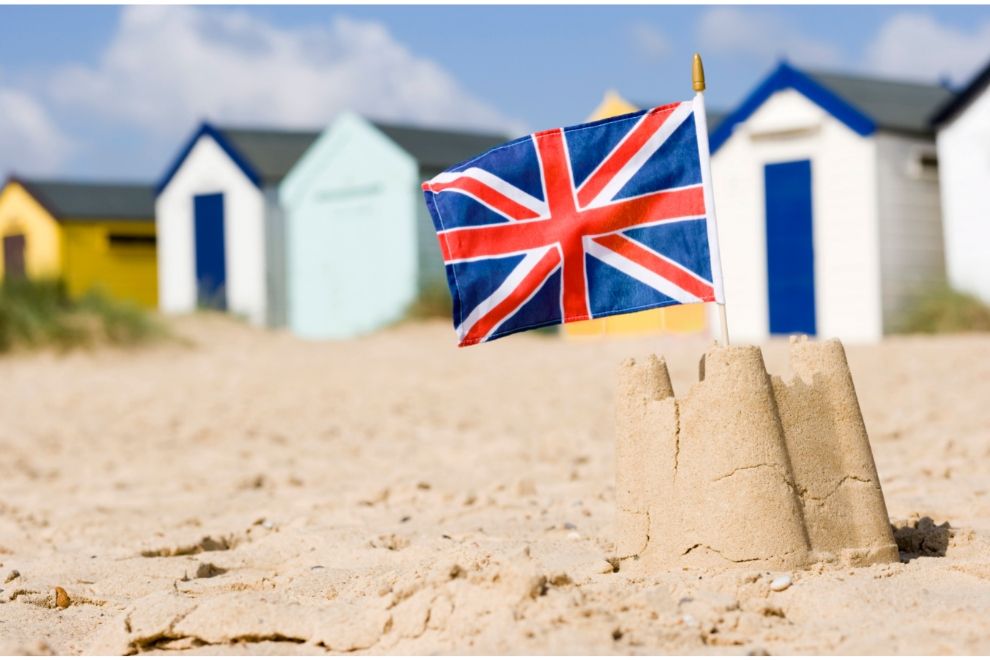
x=649 y=40
x=914 y=45
x=168 y=67
x=763 y=35
x=30 y=142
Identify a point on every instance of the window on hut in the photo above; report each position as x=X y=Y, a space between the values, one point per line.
x=924 y=165
x=132 y=241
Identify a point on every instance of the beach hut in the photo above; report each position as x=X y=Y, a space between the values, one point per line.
x=220 y=240
x=92 y=236
x=360 y=245
x=963 y=129
x=678 y=319
x=827 y=193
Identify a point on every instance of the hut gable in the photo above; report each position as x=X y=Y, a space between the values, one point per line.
x=864 y=105
x=613 y=105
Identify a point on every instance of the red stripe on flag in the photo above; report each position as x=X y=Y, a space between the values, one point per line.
x=666 y=269
x=566 y=223
x=494 y=240
x=575 y=295
x=655 y=207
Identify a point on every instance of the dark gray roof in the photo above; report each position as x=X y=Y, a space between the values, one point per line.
x=972 y=89
x=437 y=149
x=84 y=200
x=271 y=153
x=715 y=118
x=899 y=106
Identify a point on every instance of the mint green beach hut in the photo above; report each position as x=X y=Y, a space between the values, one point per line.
x=360 y=246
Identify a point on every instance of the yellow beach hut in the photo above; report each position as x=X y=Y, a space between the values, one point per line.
x=92 y=236
x=678 y=319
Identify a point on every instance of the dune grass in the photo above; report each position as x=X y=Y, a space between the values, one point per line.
x=37 y=314
x=944 y=310
x=433 y=302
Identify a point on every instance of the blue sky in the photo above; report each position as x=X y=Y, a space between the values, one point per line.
x=113 y=91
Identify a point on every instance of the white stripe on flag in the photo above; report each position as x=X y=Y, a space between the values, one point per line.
x=639 y=159
x=518 y=196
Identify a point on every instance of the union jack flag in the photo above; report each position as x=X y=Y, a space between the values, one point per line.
x=579 y=222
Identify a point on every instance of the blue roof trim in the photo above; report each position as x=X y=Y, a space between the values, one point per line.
x=787 y=77
x=207 y=129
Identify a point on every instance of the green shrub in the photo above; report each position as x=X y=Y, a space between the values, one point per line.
x=432 y=303
x=36 y=313
x=946 y=310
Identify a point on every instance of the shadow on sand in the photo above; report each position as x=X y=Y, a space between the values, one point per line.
x=921 y=538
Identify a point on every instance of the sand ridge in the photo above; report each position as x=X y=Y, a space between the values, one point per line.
x=257 y=493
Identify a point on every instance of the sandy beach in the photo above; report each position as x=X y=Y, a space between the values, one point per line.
x=245 y=491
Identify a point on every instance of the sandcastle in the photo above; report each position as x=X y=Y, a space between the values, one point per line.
x=747 y=469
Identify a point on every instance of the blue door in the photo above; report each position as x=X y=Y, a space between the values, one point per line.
x=211 y=260
x=790 y=248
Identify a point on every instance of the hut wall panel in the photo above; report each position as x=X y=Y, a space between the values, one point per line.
x=964 y=164
x=911 y=241
x=115 y=257
x=275 y=272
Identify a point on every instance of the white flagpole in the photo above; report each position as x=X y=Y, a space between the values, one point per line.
x=701 y=122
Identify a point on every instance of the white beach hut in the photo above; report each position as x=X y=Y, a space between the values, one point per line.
x=828 y=204
x=220 y=239
x=963 y=128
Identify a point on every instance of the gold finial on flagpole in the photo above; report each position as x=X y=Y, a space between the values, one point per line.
x=697 y=74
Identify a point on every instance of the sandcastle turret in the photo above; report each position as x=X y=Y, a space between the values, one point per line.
x=747 y=469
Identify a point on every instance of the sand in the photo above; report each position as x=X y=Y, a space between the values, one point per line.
x=745 y=468
x=256 y=493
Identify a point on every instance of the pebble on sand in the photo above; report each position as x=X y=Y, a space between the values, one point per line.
x=781 y=582
x=604 y=566
x=62 y=599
